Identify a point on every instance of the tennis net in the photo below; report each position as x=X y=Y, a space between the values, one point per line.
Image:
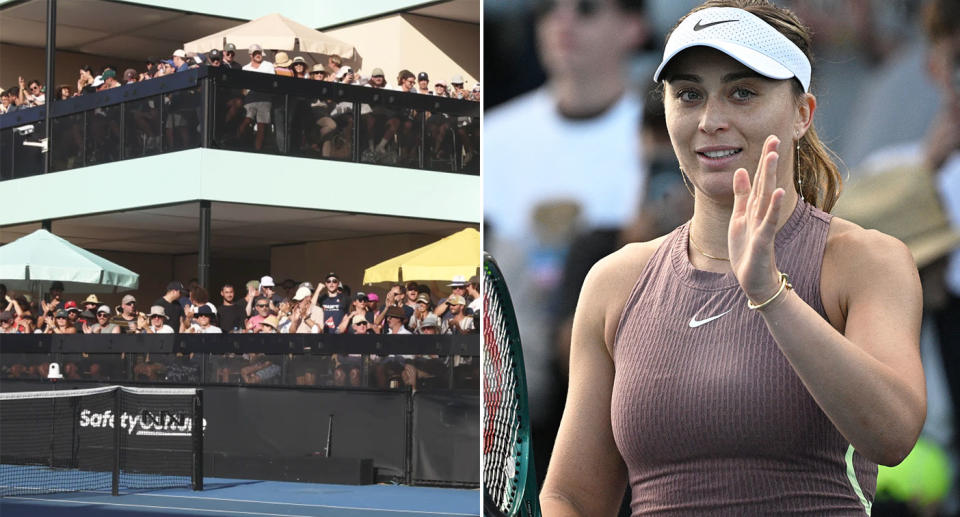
x=68 y=441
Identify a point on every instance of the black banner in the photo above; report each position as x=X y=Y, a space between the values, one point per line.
x=446 y=443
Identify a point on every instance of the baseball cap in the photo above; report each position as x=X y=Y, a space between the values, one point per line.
x=299 y=59
x=205 y=310
x=372 y=297
x=229 y=47
x=457 y=79
x=175 y=286
x=71 y=306
x=214 y=54
x=105 y=309
x=332 y=274
x=179 y=53
x=360 y=296
x=302 y=293
x=455 y=299
x=422 y=76
x=743 y=36
x=267 y=281
x=127 y=299
x=425 y=298
x=108 y=74
x=377 y=72
x=430 y=320
x=359 y=318
x=61 y=313
x=255 y=48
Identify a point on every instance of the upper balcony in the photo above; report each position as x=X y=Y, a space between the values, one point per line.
x=215 y=108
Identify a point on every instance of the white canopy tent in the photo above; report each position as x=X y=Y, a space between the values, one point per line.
x=276 y=32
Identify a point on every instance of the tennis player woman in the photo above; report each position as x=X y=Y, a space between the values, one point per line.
x=763 y=358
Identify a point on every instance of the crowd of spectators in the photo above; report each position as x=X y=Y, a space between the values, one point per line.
x=266 y=308
x=317 y=127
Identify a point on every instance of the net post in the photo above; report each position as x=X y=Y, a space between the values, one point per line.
x=115 y=483
x=197 y=432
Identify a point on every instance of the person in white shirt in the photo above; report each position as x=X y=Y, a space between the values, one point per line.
x=257 y=104
x=158 y=321
x=203 y=324
x=395 y=318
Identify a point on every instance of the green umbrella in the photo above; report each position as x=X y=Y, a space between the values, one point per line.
x=31 y=263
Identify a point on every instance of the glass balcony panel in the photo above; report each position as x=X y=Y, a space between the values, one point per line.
x=103 y=135
x=27 y=153
x=6 y=154
x=143 y=129
x=250 y=121
x=390 y=135
x=182 y=113
x=67 y=142
x=94 y=367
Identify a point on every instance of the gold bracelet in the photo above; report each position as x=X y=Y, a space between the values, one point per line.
x=784 y=284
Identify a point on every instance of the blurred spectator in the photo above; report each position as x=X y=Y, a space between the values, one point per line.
x=129 y=76
x=299 y=67
x=440 y=89
x=73 y=314
x=423 y=84
x=457 y=287
x=422 y=308
x=261 y=306
x=203 y=324
x=6 y=102
x=229 y=53
x=151 y=68
x=257 y=104
x=109 y=80
x=456 y=82
x=158 y=321
x=395 y=318
x=317 y=73
x=91 y=303
x=170 y=301
x=231 y=313
x=358 y=308
x=406 y=81
x=7 y=321
x=85 y=81
x=64 y=92
x=475 y=93
x=126 y=316
x=346 y=75
x=334 y=304
x=59 y=324
x=103 y=324
x=333 y=66
x=305 y=317
x=31 y=94
x=456 y=321
x=180 y=60
x=377 y=79
x=281 y=64
x=215 y=59
x=473 y=293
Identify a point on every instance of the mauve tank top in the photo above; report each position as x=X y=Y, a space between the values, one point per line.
x=708 y=414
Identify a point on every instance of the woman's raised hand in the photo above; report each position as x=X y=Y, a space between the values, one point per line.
x=753 y=226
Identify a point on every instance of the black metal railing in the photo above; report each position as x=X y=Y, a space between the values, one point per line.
x=245 y=111
x=378 y=362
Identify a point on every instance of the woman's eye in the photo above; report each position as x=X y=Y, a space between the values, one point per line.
x=742 y=93
x=688 y=95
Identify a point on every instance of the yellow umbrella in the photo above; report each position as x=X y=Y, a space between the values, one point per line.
x=457 y=254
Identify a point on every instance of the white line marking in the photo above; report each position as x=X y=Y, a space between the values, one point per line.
x=180 y=508
x=311 y=505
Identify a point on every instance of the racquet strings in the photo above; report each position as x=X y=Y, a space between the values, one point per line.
x=501 y=418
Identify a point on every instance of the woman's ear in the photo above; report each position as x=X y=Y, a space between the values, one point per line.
x=805 y=109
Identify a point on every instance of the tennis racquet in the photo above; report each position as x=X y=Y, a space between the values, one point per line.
x=509 y=476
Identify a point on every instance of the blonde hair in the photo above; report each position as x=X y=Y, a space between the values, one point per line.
x=816 y=176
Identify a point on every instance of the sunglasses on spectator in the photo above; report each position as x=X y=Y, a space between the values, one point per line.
x=334 y=281
x=262 y=305
x=103 y=314
x=361 y=323
x=156 y=316
x=583 y=8
x=130 y=303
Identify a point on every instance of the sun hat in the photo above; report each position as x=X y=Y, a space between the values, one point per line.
x=743 y=36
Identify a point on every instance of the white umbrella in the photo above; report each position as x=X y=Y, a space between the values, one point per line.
x=33 y=262
x=277 y=32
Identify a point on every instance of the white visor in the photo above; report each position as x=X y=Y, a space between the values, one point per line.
x=742 y=36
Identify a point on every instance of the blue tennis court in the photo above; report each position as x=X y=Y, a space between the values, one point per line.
x=255 y=498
